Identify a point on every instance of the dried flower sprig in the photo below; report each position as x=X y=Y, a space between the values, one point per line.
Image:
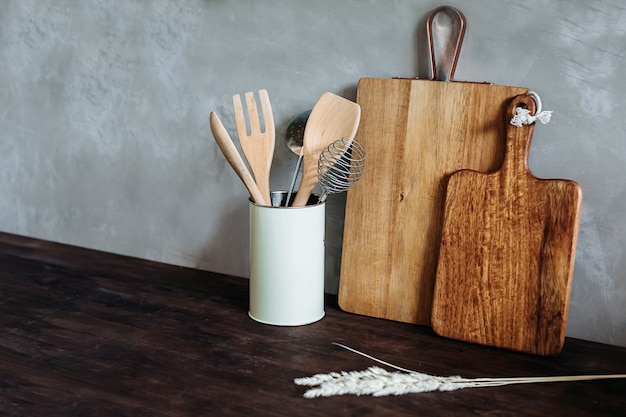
x=378 y=382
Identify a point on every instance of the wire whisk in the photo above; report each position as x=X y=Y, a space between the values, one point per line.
x=340 y=166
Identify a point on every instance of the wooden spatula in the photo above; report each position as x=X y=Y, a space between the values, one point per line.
x=507 y=252
x=332 y=118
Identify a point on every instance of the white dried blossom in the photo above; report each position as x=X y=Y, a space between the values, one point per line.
x=375 y=381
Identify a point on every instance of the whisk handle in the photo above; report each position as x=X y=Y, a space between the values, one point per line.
x=322 y=198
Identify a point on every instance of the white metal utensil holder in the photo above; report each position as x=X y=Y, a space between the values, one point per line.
x=287 y=262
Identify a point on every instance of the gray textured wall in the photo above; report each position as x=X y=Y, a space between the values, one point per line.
x=104 y=138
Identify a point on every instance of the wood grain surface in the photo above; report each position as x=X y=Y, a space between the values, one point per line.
x=507 y=252
x=88 y=333
x=415 y=133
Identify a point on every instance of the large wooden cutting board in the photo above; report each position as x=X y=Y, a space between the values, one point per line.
x=507 y=252
x=415 y=133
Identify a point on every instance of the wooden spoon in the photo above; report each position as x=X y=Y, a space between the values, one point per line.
x=332 y=118
x=226 y=145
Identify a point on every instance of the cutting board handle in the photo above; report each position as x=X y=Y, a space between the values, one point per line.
x=450 y=51
x=518 y=139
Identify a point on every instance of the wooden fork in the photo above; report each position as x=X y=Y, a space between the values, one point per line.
x=258 y=146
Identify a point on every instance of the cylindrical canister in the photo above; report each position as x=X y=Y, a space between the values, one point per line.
x=287 y=262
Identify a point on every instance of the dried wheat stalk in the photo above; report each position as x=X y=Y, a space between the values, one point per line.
x=378 y=382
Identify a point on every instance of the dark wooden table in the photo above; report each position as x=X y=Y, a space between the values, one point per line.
x=88 y=333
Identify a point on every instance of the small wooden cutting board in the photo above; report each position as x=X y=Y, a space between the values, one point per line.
x=507 y=252
x=416 y=133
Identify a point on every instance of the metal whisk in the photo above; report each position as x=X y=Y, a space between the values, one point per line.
x=340 y=166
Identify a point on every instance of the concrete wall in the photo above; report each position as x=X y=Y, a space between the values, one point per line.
x=104 y=138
